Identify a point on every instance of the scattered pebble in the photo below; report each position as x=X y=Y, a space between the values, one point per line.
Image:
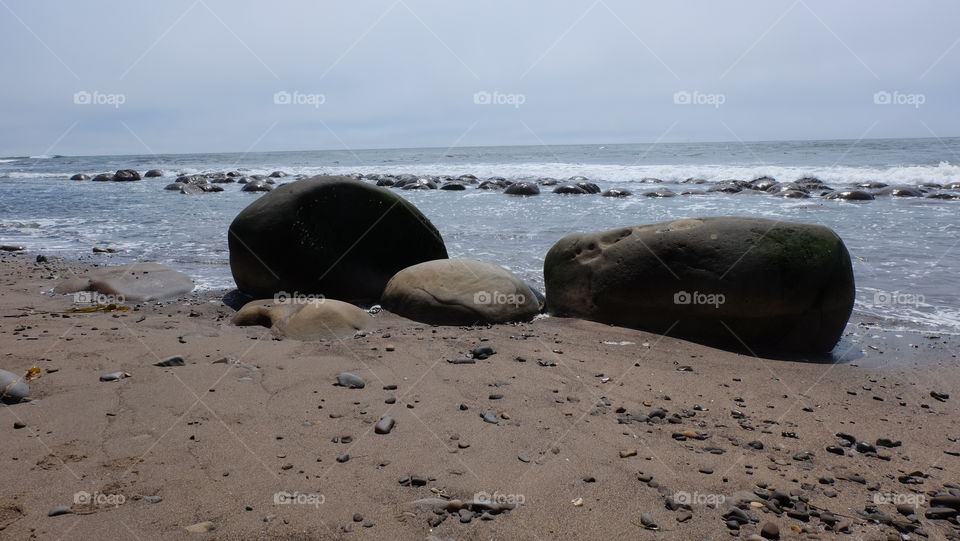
x=350 y=381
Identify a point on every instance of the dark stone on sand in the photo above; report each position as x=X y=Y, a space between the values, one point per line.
x=943 y=500
x=482 y=352
x=175 y=360
x=343 y=458
x=462 y=360
x=864 y=447
x=80 y=176
x=942 y=397
x=335 y=236
x=770 y=531
x=153 y=173
x=940 y=513
x=835 y=449
x=887 y=442
x=758 y=445
x=350 y=381
x=384 y=425
x=59 y=510
x=726 y=281
x=489 y=417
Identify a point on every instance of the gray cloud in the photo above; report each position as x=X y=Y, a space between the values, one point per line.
x=200 y=76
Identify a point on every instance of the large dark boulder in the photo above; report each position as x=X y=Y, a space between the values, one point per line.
x=726 y=281
x=333 y=236
x=522 y=188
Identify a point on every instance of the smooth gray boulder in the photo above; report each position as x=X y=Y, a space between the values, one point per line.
x=459 y=292
x=138 y=282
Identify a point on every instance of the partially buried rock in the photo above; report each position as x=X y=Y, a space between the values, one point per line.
x=334 y=236
x=318 y=319
x=126 y=175
x=522 y=188
x=80 y=176
x=153 y=173
x=175 y=360
x=459 y=292
x=201 y=527
x=384 y=425
x=350 y=381
x=725 y=281
x=13 y=388
x=137 y=282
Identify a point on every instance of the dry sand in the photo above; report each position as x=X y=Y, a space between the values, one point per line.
x=216 y=441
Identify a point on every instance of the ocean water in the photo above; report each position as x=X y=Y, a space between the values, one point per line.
x=904 y=249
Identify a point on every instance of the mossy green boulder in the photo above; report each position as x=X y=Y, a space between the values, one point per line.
x=726 y=281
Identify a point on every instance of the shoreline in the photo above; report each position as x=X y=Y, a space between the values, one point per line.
x=217 y=441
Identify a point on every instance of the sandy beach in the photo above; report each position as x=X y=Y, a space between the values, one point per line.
x=252 y=439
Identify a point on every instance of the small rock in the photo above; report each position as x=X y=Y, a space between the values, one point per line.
x=59 y=510
x=343 y=458
x=770 y=531
x=628 y=453
x=351 y=381
x=114 y=376
x=482 y=352
x=384 y=425
x=489 y=417
x=942 y=397
x=153 y=499
x=18 y=425
x=201 y=527
x=175 y=360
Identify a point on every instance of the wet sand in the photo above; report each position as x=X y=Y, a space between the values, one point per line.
x=250 y=420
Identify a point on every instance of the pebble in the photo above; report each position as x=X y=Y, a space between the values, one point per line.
x=758 y=445
x=647 y=520
x=489 y=417
x=357 y=517
x=942 y=397
x=343 y=458
x=462 y=360
x=495 y=396
x=466 y=516
x=175 y=360
x=153 y=499
x=940 y=513
x=384 y=425
x=390 y=347
x=628 y=453
x=351 y=381
x=59 y=510
x=770 y=531
x=114 y=376
x=482 y=352
x=684 y=515
x=18 y=425
x=523 y=458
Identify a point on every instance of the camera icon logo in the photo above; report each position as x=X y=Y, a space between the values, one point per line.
x=682 y=97
x=82 y=98
x=282 y=98
x=682 y=297
x=82 y=498
x=482 y=297
x=882 y=98
x=483 y=98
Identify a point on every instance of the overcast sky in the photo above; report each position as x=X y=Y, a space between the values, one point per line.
x=131 y=77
